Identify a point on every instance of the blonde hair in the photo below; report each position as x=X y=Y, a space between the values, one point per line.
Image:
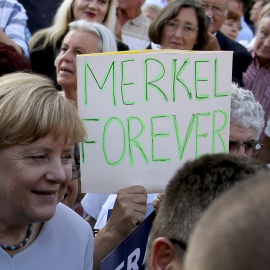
x=265 y=10
x=31 y=108
x=63 y=16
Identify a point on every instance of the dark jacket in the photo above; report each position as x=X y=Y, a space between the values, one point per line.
x=241 y=57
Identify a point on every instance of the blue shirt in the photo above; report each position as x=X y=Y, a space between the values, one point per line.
x=13 y=22
x=246 y=34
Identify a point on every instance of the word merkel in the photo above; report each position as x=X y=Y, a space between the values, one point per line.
x=176 y=73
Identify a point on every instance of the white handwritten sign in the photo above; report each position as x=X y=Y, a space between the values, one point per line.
x=147 y=113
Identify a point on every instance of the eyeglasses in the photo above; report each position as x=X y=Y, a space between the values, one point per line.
x=180 y=243
x=235 y=25
x=216 y=9
x=76 y=172
x=252 y=148
x=187 y=29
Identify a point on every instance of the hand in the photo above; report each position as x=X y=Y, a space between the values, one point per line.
x=156 y=202
x=213 y=44
x=129 y=210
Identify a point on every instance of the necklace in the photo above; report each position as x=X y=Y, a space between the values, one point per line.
x=23 y=243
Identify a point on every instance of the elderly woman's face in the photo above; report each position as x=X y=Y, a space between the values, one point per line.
x=75 y=42
x=71 y=191
x=90 y=10
x=242 y=135
x=34 y=177
x=262 y=44
x=183 y=37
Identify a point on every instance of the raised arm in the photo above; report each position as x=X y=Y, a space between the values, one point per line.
x=128 y=212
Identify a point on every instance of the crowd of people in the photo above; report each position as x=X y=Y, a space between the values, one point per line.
x=46 y=222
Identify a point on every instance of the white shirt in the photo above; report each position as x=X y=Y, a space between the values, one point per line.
x=64 y=243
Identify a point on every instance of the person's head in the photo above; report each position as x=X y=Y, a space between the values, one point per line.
x=151 y=11
x=262 y=44
x=240 y=6
x=218 y=11
x=82 y=38
x=130 y=5
x=255 y=12
x=95 y=11
x=39 y=127
x=246 y=122
x=232 y=25
x=194 y=187
x=180 y=25
x=11 y=60
x=71 y=10
x=233 y=233
x=74 y=187
x=265 y=10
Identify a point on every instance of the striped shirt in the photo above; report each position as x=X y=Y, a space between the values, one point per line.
x=13 y=22
x=135 y=33
x=257 y=80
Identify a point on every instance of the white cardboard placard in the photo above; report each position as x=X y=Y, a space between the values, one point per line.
x=147 y=112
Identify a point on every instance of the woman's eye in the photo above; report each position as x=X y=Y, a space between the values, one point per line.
x=172 y=24
x=79 y=52
x=217 y=9
x=264 y=33
x=38 y=157
x=63 y=49
x=188 y=28
x=67 y=158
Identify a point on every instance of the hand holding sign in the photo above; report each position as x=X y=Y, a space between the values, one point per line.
x=157 y=201
x=129 y=210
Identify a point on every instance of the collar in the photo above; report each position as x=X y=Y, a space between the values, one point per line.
x=256 y=61
x=138 y=20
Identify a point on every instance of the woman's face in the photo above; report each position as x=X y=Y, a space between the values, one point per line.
x=75 y=42
x=71 y=191
x=242 y=135
x=231 y=28
x=91 y=10
x=262 y=44
x=33 y=179
x=178 y=38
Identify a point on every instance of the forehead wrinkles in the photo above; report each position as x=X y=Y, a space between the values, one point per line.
x=221 y=3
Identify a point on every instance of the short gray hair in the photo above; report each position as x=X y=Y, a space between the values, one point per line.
x=108 y=43
x=246 y=112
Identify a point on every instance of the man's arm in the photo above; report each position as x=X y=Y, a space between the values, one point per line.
x=7 y=40
x=14 y=32
x=128 y=212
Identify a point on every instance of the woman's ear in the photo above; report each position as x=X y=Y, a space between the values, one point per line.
x=165 y=255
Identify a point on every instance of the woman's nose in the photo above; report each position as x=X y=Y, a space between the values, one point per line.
x=241 y=151
x=57 y=172
x=92 y=4
x=179 y=31
x=67 y=56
